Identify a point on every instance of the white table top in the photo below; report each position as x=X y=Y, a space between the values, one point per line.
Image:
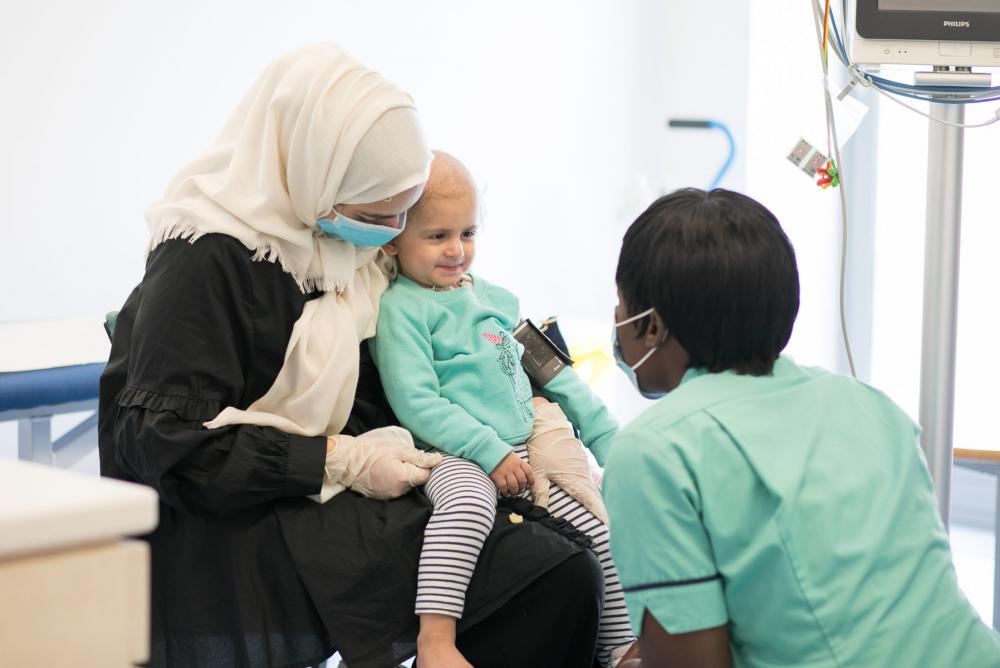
x=44 y=508
x=50 y=344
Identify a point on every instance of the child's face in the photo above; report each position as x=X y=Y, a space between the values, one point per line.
x=439 y=242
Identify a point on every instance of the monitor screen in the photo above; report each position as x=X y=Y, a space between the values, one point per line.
x=927 y=32
x=940 y=5
x=939 y=20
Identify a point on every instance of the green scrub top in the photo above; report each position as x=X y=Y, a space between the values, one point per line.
x=797 y=509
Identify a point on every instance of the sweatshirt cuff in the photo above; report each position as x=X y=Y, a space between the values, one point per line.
x=306 y=465
x=602 y=446
x=490 y=453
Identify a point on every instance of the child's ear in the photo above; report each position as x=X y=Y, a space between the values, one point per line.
x=391 y=248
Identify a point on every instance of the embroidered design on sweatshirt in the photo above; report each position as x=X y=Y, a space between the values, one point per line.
x=510 y=365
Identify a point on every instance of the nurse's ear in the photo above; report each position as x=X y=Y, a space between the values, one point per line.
x=656 y=333
x=391 y=248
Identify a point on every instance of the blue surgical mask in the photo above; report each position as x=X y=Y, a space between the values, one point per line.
x=358 y=233
x=623 y=365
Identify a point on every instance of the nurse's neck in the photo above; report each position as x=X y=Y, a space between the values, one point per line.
x=667 y=366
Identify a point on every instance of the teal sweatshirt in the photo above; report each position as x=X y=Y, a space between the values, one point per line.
x=451 y=370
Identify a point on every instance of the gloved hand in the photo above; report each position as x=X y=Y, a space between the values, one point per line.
x=380 y=464
x=556 y=455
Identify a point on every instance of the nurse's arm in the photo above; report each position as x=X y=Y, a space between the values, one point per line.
x=708 y=648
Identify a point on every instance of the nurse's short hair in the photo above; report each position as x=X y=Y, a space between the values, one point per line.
x=721 y=273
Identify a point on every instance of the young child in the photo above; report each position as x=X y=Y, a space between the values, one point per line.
x=452 y=373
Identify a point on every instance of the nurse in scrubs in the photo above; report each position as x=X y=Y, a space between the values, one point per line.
x=764 y=513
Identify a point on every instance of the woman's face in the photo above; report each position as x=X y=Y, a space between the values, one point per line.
x=390 y=211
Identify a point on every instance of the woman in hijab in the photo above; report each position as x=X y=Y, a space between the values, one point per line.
x=239 y=386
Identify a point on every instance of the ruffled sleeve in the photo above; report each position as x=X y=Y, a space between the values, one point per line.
x=206 y=329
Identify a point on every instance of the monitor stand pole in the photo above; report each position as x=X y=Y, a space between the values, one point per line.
x=942 y=248
x=940 y=316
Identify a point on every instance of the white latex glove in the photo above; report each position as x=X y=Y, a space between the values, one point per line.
x=556 y=455
x=380 y=464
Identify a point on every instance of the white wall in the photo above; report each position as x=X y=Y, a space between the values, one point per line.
x=558 y=108
x=785 y=104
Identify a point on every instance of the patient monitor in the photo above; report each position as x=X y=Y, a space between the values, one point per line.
x=960 y=33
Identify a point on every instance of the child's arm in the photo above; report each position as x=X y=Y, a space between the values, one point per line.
x=583 y=408
x=402 y=351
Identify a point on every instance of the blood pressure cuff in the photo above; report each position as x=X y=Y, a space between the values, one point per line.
x=542 y=358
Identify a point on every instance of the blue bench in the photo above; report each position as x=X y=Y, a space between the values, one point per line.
x=33 y=397
x=47 y=368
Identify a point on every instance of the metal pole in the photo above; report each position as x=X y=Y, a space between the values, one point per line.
x=34 y=439
x=940 y=317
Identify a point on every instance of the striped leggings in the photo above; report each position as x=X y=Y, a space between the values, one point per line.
x=465 y=501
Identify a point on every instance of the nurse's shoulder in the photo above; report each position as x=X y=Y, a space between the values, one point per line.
x=671 y=429
x=856 y=395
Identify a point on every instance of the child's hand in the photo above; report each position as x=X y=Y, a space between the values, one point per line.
x=512 y=476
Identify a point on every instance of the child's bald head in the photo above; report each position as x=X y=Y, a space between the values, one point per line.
x=449 y=180
x=438 y=244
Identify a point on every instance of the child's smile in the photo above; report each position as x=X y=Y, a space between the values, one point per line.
x=438 y=244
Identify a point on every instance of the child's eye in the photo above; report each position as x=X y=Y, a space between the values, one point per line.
x=469 y=234
x=438 y=237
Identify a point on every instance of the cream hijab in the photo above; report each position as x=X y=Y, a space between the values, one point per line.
x=317 y=129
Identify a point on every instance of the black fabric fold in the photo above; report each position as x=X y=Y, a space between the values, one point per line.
x=367 y=593
x=201 y=410
x=533 y=513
